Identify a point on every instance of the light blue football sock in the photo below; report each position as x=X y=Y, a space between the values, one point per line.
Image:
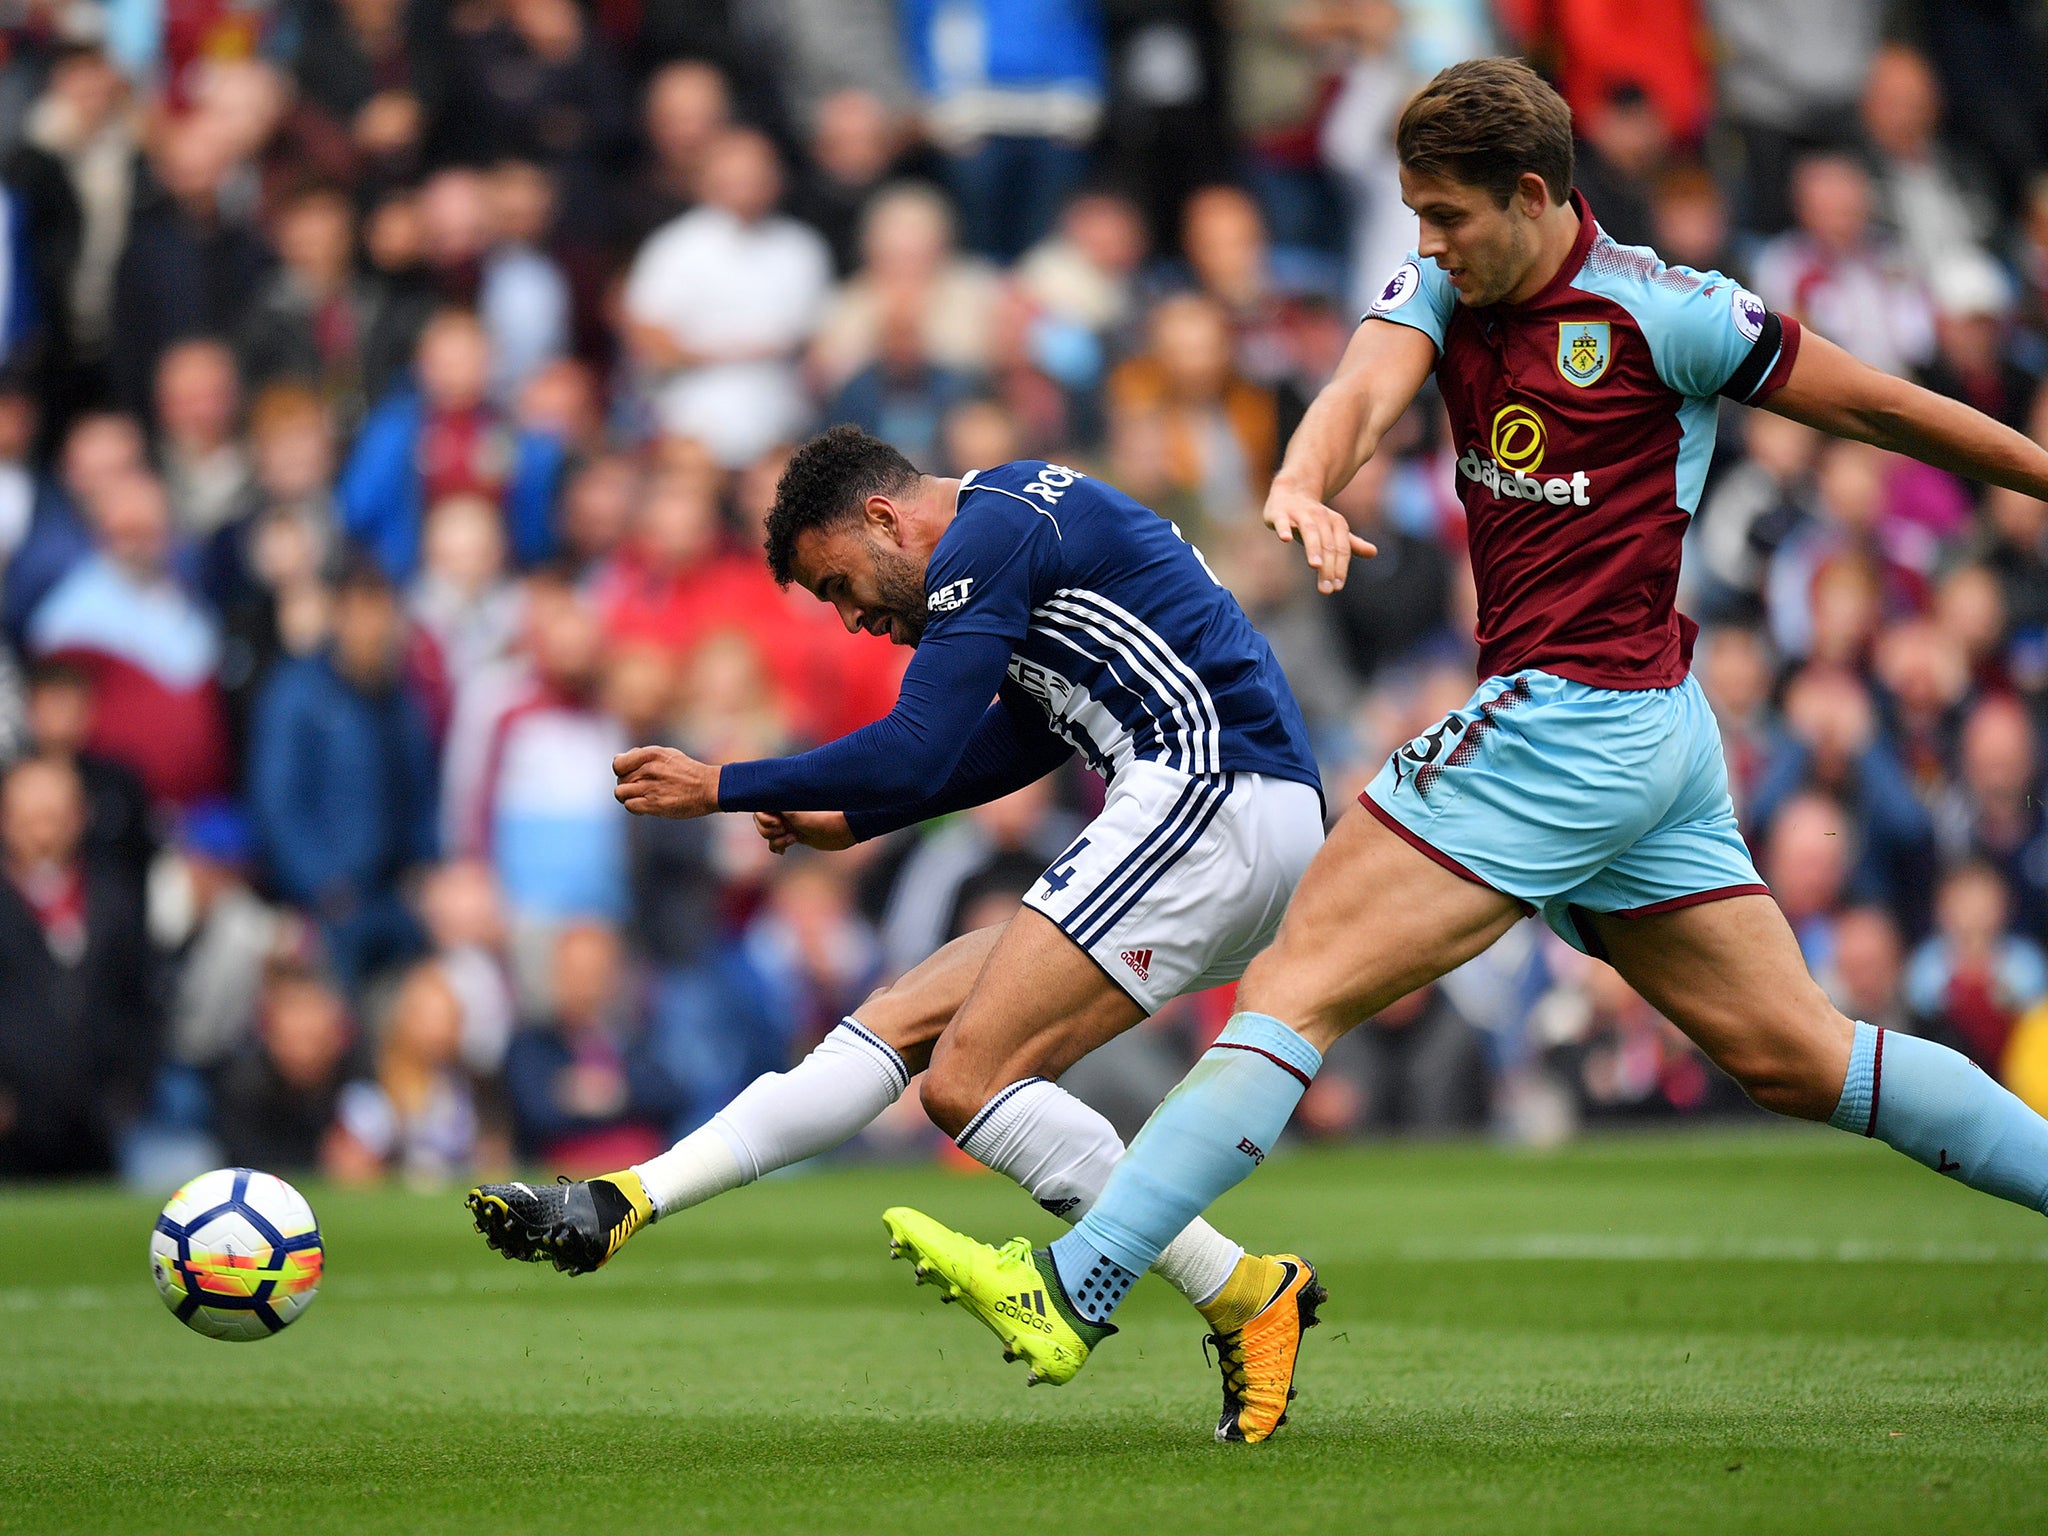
x=1939 y=1108
x=1211 y=1131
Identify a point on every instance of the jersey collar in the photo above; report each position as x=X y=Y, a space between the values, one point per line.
x=1574 y=260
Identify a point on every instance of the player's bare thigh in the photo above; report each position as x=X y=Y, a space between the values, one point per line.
x=1372 y=920
x=912 y=1011
x=1038 y=1006
x=1729 y=973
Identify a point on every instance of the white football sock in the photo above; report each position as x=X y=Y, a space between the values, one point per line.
x=1061 y=1151
x=781 y=1118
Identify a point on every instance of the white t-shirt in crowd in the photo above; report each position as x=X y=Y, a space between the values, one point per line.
x=716 y=284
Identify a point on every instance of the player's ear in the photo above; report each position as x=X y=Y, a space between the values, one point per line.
x=884 y=519
x=1532 y=195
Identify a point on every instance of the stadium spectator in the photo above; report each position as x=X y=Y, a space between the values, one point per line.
x=901 y=395
x=926 y=899
x=1835 y=272
x=1689 y=223
x=316 y=320
x=190 y=263
x=1972 y=362
x=1276 y=91
x=856 y=146
x=1808 y=852
x=531 y=78
x=57 y=719
x=585 y=1094
x=205 y=467
x=1942 y=220
x=149 y=646
x=264 y=572
x=1085 y=272
x=464 y=598
x=1356 y=143
x=1013 y=91
x=444 y=438
x=79 y=177
x=522 y=295
x=1225 y=243
x=1973 y=977
x=1851 y=550
x=1831 y=743
x=1754 y=508
x=598 y=500
x=672 y=581
x=1865 y=979
x=465 y=922
x=1651 y=53
x=1418 y=1069
x=279 y=1091
x=1306 y=637
x=341 y=781
x=417 y=1116
x=528 y=779
x=1195 y=437
x=1993 y=812
x=1625 y=145
x=1397 y=604
x=1789 y=75
x=720 y=300
x=98 y=448
x=77 y=1026
x=910 y=273
x=217 y=934
x=685 y=108
x=362 y=64
x=802 y=964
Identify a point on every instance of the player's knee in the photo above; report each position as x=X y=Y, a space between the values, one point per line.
x=952 y=1094
x=1792 y=1068
x=896 y=1015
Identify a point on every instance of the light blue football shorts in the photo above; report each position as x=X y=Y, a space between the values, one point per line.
x=1573 y=799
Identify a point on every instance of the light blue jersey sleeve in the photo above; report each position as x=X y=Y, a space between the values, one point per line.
x=1418 y=294
x=1706 y=331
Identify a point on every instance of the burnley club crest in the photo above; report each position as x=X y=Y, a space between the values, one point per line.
x=1584 y=348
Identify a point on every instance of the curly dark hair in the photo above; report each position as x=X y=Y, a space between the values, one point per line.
x=827 y=482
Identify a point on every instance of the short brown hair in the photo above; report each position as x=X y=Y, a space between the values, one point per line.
x=1486 y=123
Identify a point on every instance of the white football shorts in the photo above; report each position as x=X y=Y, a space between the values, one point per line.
x=1181 y=880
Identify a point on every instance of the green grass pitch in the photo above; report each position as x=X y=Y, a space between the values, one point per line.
x=1743 y=1332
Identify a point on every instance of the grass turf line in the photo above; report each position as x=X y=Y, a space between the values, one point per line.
x=1751 y=1332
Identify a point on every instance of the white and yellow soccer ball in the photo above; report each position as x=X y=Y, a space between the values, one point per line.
x=236 y=1254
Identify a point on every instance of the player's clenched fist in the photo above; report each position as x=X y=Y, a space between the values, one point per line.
x=814 y=829
x=1326 y=538
x=660 y=781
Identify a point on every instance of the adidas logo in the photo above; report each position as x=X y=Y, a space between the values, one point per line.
x=1140 y=962
x=1026 y=1307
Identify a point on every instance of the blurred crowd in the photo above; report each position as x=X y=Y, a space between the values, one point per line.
x=392 y=392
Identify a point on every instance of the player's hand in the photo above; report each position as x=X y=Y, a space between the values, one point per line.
x=660 y=781
x=814 y=829
x=1326 y=538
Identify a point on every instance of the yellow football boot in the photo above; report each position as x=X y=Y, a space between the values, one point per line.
x=1258 y=1355
x=1011 y=1289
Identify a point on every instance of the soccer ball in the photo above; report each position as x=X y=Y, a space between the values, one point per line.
x=236 y=1254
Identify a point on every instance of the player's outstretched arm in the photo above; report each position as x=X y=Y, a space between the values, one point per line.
x=1011 y=746
x=1382 y=369
x=1835 y=392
